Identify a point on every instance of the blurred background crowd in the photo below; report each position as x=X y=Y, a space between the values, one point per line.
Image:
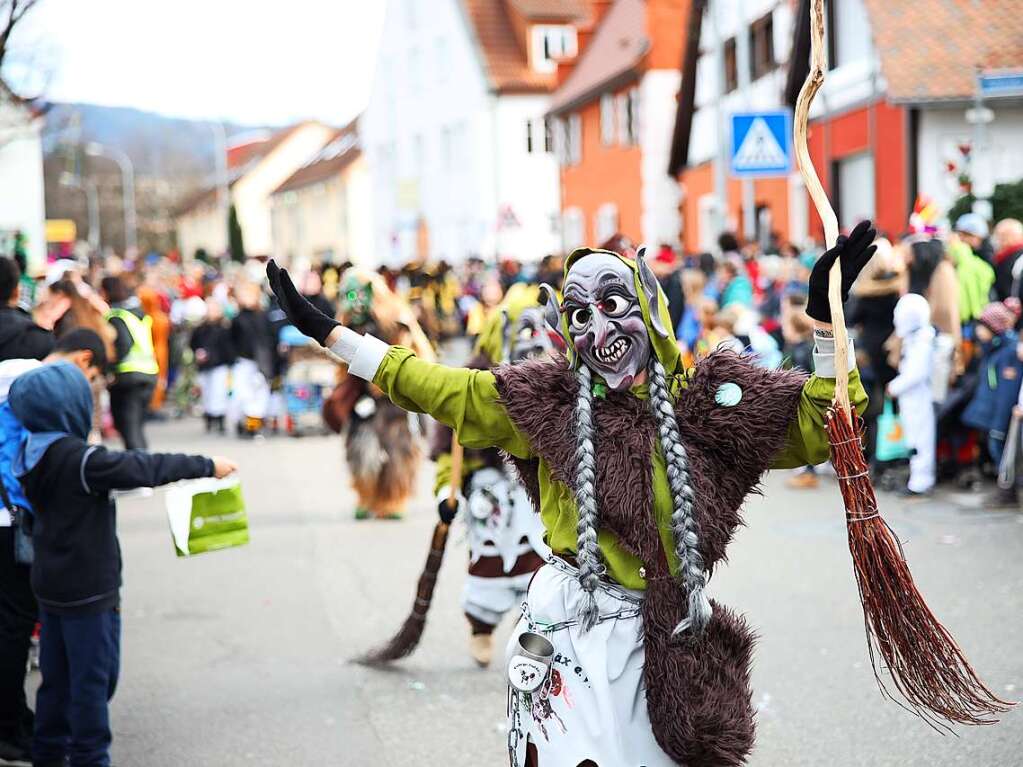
x=935 y=317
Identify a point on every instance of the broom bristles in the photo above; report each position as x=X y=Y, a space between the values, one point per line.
x=926 y=665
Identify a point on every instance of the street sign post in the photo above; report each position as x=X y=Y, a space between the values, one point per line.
x=761 y=144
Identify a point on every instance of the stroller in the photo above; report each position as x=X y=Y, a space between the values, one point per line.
x=308 y=379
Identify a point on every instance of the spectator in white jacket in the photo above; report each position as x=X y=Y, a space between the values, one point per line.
x=912 y=388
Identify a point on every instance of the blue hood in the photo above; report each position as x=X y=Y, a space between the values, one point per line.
x=52 y=402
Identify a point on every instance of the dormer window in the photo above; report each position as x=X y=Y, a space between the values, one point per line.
x=551 y=43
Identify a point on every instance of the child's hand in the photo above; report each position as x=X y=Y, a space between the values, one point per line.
x=222 y=467
x=1017 y=411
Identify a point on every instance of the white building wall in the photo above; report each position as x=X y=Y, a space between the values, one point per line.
x=661 y=219
x=940 y=133
x=359 y=212
x=204 y=227
x=527 y=183
x=22 y=206
x=426 y=136
x=446 y=151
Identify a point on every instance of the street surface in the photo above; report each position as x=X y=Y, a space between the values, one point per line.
x=242 y=657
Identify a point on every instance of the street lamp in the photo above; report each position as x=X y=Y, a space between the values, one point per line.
x=94 y=149
x=88 y=186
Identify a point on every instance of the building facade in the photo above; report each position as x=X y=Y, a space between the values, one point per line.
x=454 y=131
x=612 y=117
x=890 y=123
x=21 y=179
x=257 y=165
x=322 y=213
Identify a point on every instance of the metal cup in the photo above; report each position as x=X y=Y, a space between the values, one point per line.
x=531 y=663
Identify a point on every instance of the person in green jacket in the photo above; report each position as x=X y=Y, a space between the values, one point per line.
x=638 y=468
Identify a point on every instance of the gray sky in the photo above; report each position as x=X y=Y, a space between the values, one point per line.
x=250 y=61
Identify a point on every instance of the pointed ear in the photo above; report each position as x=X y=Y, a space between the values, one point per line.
x=552 y=311
x=652 y=290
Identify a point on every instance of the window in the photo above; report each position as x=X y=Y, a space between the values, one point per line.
x=605 y=224
x=622 y=115
x=529 y=136
x=627 y=112
x=846 y=44
x=731 y=67
x=854 y=193
x=607 y=119
x=442 y=60
x=550 y=43
x=575 y=139
x=548 y=136
x=414 y=70
x=573 y=228
x=446 y=149
x=560 y=138
x=761 y=46
x=633 y=121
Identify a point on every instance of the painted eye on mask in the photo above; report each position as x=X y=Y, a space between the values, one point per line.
x=615 y=305
x=578 y=318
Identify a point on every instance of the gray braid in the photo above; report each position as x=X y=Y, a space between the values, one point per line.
x=684 y=527
x=591 y=568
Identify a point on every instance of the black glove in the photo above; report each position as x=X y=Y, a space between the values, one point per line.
x=445 y=512
x=854 y=251
x=303 y=315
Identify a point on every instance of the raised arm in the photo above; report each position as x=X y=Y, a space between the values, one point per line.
x=466 y=400
x=807 y=442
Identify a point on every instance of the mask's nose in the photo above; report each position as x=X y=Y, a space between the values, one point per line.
x=601 y=327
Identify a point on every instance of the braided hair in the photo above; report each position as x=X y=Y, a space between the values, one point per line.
x=684 y=527
x=591 y=567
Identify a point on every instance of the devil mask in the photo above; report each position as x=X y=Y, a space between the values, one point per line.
x=605 y=320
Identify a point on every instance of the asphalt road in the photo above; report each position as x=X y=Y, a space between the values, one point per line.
x=242 y=657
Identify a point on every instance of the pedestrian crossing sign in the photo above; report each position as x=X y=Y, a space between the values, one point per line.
x=761 y=143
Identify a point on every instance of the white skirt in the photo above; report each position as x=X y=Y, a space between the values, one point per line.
x=594 y=704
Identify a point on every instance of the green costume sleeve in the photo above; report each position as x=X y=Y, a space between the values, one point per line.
x=464 y=399
x=443 y=478
x=807 y=442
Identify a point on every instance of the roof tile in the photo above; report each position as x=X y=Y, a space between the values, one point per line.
x=931 y=49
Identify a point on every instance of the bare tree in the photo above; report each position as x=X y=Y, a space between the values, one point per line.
x=11 y=12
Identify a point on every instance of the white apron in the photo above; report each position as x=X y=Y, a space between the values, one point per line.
x=593 y=705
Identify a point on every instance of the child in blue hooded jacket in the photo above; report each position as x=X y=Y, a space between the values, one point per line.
x=76 y=575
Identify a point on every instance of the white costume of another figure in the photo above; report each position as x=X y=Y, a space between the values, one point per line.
x=501 y=525
x=912 y=387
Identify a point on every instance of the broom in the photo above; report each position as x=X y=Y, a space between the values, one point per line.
x=406 y=640
x=926 y=665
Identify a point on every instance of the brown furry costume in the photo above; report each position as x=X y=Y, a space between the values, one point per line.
x=697 y=689
x=385 y=447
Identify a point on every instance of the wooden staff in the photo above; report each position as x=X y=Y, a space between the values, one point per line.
x=407 y=638
x=903 y=635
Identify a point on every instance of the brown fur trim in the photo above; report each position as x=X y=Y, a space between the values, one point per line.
x=697 y=689
x=383 y=458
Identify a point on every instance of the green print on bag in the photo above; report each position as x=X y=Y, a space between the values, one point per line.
x=207 y=515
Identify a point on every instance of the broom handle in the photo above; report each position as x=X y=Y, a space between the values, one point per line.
x=812 y=84
x=455 y=485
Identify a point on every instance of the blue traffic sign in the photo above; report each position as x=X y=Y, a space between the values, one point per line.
x=1005 y=82
x=761 y=143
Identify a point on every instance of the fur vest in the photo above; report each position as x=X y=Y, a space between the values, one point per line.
x=697 y=689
